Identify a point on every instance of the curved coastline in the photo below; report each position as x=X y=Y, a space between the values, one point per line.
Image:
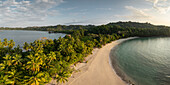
x=114 y=66
x=98 y=70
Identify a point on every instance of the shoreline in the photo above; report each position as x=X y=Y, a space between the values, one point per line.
x=98 y=70
x=116 y=69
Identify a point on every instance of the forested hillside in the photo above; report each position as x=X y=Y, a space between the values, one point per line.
x=126 y=28
x=40 y=61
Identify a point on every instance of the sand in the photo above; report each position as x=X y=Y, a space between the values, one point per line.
x=98 y=70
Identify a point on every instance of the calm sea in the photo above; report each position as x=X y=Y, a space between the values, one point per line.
x=144 y=61
x=20 y=36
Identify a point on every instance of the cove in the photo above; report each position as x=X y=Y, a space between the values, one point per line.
x=143 y=61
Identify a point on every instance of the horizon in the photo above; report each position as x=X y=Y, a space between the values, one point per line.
x=29 y=13
x=85 y=24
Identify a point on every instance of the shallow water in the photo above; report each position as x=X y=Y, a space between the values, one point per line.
x=145 y=61
x=20 y=36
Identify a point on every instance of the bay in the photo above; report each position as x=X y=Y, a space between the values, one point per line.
x=21 y=36
x=144 y=61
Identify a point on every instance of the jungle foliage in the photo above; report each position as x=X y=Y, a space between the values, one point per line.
x=39 y=62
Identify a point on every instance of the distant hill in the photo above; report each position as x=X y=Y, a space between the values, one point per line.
x=61 y=28
x=51 y=28
x=137 y=25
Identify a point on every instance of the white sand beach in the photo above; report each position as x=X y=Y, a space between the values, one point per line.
x=98 y=70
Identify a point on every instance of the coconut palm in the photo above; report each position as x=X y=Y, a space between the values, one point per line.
x=62 y=77
x=34 y=63
x=26 y=46
x=53 y=69
x=17 y=50
x=11 y=44
x=7 y=60
x=5 y=42
x=15 y=76
x=1 y=44
x=51 y=56
x=4 y=80
x=37 y=78
x=17 y=59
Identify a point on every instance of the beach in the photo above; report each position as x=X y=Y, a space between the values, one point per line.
x=98 y=70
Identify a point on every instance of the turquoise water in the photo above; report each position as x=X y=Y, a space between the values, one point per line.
x=144 y=61
x=20 y=36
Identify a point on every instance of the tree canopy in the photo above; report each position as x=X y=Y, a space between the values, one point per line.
x=42 y=60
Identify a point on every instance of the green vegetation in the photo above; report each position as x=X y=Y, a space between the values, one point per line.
x=42 y=60
x=38 y=62
x=58 y=28
x=126 y=28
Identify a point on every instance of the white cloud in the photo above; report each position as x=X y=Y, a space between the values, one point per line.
x=106 y=9
x=145 y=15
x=12 y=11
x=87 y=21
x=162 y=6
x=136 y=14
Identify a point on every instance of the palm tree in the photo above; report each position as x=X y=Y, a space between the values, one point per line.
x=9 y=75
x=64 y=72
x=26 y=46
x=17 y=59
x=1 y=44
x=34 y=63
x=7 y=60
x=17 y=50
x=39 y=78
x=4 y=79
x=62 y=77
x=54 y=68
x=11 y=44
x=15 y=76
x=5 y=42
x=51 y=57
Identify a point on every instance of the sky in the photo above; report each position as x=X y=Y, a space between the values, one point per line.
x=23 y=13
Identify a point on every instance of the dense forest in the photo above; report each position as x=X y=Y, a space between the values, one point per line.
x=127 y=28
x=42 y=60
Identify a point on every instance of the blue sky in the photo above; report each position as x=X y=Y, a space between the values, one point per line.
x=22 y=13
